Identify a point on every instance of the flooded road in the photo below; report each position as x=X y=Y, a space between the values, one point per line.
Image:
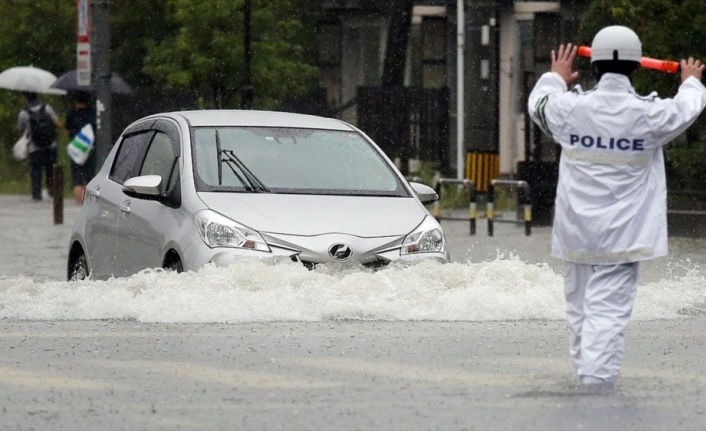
x=476 y=344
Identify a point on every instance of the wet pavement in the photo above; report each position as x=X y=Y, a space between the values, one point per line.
x=337 y=373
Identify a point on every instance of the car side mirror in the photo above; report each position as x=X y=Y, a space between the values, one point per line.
x=425 y=193
x=145 y=185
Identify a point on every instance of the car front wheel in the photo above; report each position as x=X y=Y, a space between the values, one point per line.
x=79 y=269
x=174 y=264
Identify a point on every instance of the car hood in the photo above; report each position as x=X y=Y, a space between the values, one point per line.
x=362 y=216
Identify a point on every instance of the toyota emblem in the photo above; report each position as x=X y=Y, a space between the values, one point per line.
x=340 y=252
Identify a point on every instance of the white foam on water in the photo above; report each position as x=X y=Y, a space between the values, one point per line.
x=253 y=290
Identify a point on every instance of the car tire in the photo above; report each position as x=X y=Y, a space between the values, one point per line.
x=174 y=265
x=79 y=269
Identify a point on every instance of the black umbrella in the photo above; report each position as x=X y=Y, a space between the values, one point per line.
x=68 y=82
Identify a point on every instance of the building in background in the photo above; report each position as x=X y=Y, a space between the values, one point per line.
x=507 y=45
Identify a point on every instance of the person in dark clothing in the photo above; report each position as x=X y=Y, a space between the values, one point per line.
x=41 y=159
x=81 y=115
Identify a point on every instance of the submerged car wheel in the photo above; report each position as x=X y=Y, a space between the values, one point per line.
x=173 y=263
x=79 y=268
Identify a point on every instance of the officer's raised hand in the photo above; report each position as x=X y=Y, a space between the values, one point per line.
x=691 y=67
x=563 y=62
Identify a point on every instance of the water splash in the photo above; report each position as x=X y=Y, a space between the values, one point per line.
x=253 y=290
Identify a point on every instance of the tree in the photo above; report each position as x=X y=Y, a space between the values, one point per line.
x=136 y=25
x=206 y=51
x=668 y=29
x=41 y=33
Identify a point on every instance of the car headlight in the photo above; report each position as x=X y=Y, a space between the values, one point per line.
x=217 y=230
x=427 y=237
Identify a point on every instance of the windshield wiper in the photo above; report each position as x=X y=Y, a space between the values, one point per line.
x=218 y=156
x=253 y=183
x=229 y=162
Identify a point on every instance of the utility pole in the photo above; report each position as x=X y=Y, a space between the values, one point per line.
x=100 y=30
x=460 y=80
x=247 y=89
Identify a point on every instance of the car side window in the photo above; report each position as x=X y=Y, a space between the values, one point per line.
x=161 y=160
x=129 y=158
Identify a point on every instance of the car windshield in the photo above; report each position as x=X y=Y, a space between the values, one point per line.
x=290 y=160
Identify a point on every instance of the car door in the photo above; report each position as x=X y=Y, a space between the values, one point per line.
x=145 y=223
x=104 y=198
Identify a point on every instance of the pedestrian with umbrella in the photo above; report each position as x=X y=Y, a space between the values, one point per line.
x=37 y=120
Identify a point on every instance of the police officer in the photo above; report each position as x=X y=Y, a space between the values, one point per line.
x=610 y=209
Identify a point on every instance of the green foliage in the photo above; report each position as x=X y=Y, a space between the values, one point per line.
x=668 y=29
x=38 y=32
x=41 y=33
x=207 y=50
x=192 y=44
x=688 y=166
x=134 y=26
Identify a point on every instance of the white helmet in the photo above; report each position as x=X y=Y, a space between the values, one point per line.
x=616 y=43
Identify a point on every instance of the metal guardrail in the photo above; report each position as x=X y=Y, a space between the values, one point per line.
x=470 y=185
x=524 y=199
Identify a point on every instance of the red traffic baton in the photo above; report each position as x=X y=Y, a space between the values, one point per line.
x=646 y=62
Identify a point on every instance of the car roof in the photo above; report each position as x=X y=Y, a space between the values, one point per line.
x=234 y=117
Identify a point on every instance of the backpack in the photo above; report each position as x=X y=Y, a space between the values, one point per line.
x=42 y=127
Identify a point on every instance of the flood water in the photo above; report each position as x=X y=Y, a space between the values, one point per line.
x=253 y=290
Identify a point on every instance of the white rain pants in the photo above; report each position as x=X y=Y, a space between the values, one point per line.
x=599 y=301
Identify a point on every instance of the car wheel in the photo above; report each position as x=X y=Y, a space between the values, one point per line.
x=174 y=264
x=79 y=268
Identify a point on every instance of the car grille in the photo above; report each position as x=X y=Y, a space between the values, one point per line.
x=378 y=263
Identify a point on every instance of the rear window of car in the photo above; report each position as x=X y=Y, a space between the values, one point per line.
x=291 y=160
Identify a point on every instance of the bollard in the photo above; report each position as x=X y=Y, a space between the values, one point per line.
x=472 y=213
x=472 y=195
x=437 y=203
x=524 y=199
x=490 y=208
x=57 y=185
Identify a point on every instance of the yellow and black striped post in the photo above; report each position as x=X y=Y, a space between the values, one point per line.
x=524 y=199
x=437 y=203
x=472 y=212
x=490 y=208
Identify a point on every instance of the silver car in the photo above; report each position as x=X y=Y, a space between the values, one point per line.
x=183 y=189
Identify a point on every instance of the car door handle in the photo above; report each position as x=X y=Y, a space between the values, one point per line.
x=125 y=207
x=95 y=193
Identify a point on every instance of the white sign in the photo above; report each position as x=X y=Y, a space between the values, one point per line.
x=83 y=63
x=83 y=43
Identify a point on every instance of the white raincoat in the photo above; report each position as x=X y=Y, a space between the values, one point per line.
x=611 y=196
x=610 y=208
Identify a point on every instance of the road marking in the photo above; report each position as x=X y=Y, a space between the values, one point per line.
x=14 y=376
x=225 y=376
